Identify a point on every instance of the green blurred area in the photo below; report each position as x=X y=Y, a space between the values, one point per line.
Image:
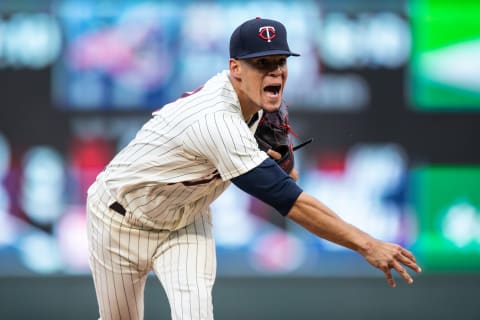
x=447 y=204
x=440 y=31
x=439 y=23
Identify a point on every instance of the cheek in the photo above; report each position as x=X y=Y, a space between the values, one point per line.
x=254 y=85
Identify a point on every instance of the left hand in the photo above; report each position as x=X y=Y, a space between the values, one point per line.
x=277 y=156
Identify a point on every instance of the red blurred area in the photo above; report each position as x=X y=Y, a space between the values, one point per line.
x=332 y=161
x=88 y=157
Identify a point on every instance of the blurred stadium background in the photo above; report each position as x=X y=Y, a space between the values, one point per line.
x=389 y=90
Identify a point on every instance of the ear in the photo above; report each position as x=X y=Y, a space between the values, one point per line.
x=235 y=68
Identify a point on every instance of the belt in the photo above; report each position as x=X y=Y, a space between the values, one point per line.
x=117 y=207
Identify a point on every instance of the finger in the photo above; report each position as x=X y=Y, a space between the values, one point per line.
x=294 y=174
x=402 y=272
x=409 y=260
x=274 y=154
x=389 y=277
x=408 y=254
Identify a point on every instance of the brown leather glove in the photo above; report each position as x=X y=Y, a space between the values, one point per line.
x=273 y=132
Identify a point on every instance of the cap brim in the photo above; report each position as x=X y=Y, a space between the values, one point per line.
x=268 y=53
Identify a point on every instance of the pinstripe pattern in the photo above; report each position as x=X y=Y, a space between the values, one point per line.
x=200 y=137
x=166 y=178
x=122 y=255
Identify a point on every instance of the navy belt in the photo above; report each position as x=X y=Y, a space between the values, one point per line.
x=117 y=207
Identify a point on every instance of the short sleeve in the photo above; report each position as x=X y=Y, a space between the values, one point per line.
x=224 y=140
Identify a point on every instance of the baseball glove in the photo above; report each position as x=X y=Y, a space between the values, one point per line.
x=273 y=132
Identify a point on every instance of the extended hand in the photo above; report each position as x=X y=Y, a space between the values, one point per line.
x=386 y=256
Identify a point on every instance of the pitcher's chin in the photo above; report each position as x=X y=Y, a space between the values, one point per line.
x=271 y=106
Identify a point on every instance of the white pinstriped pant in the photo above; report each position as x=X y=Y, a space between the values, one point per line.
x=122 y=255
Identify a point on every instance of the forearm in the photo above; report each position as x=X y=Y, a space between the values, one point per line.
x=323 y=222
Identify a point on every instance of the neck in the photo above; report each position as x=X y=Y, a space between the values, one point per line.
x=249 y=108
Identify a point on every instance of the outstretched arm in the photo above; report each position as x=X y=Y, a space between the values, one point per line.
x=269 y=183
x=323 y=222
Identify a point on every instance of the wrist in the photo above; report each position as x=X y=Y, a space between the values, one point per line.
x=364 y=246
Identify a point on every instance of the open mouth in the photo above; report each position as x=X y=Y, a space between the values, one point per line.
x=274 y=90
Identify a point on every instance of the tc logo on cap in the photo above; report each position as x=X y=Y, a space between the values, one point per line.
x=267 y=33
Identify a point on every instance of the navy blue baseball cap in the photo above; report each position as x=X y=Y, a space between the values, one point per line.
x=259 y=37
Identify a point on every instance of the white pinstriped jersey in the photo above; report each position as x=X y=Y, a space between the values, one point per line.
x=183 y=158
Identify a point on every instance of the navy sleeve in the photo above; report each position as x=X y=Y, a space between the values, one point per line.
x=269 y=183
